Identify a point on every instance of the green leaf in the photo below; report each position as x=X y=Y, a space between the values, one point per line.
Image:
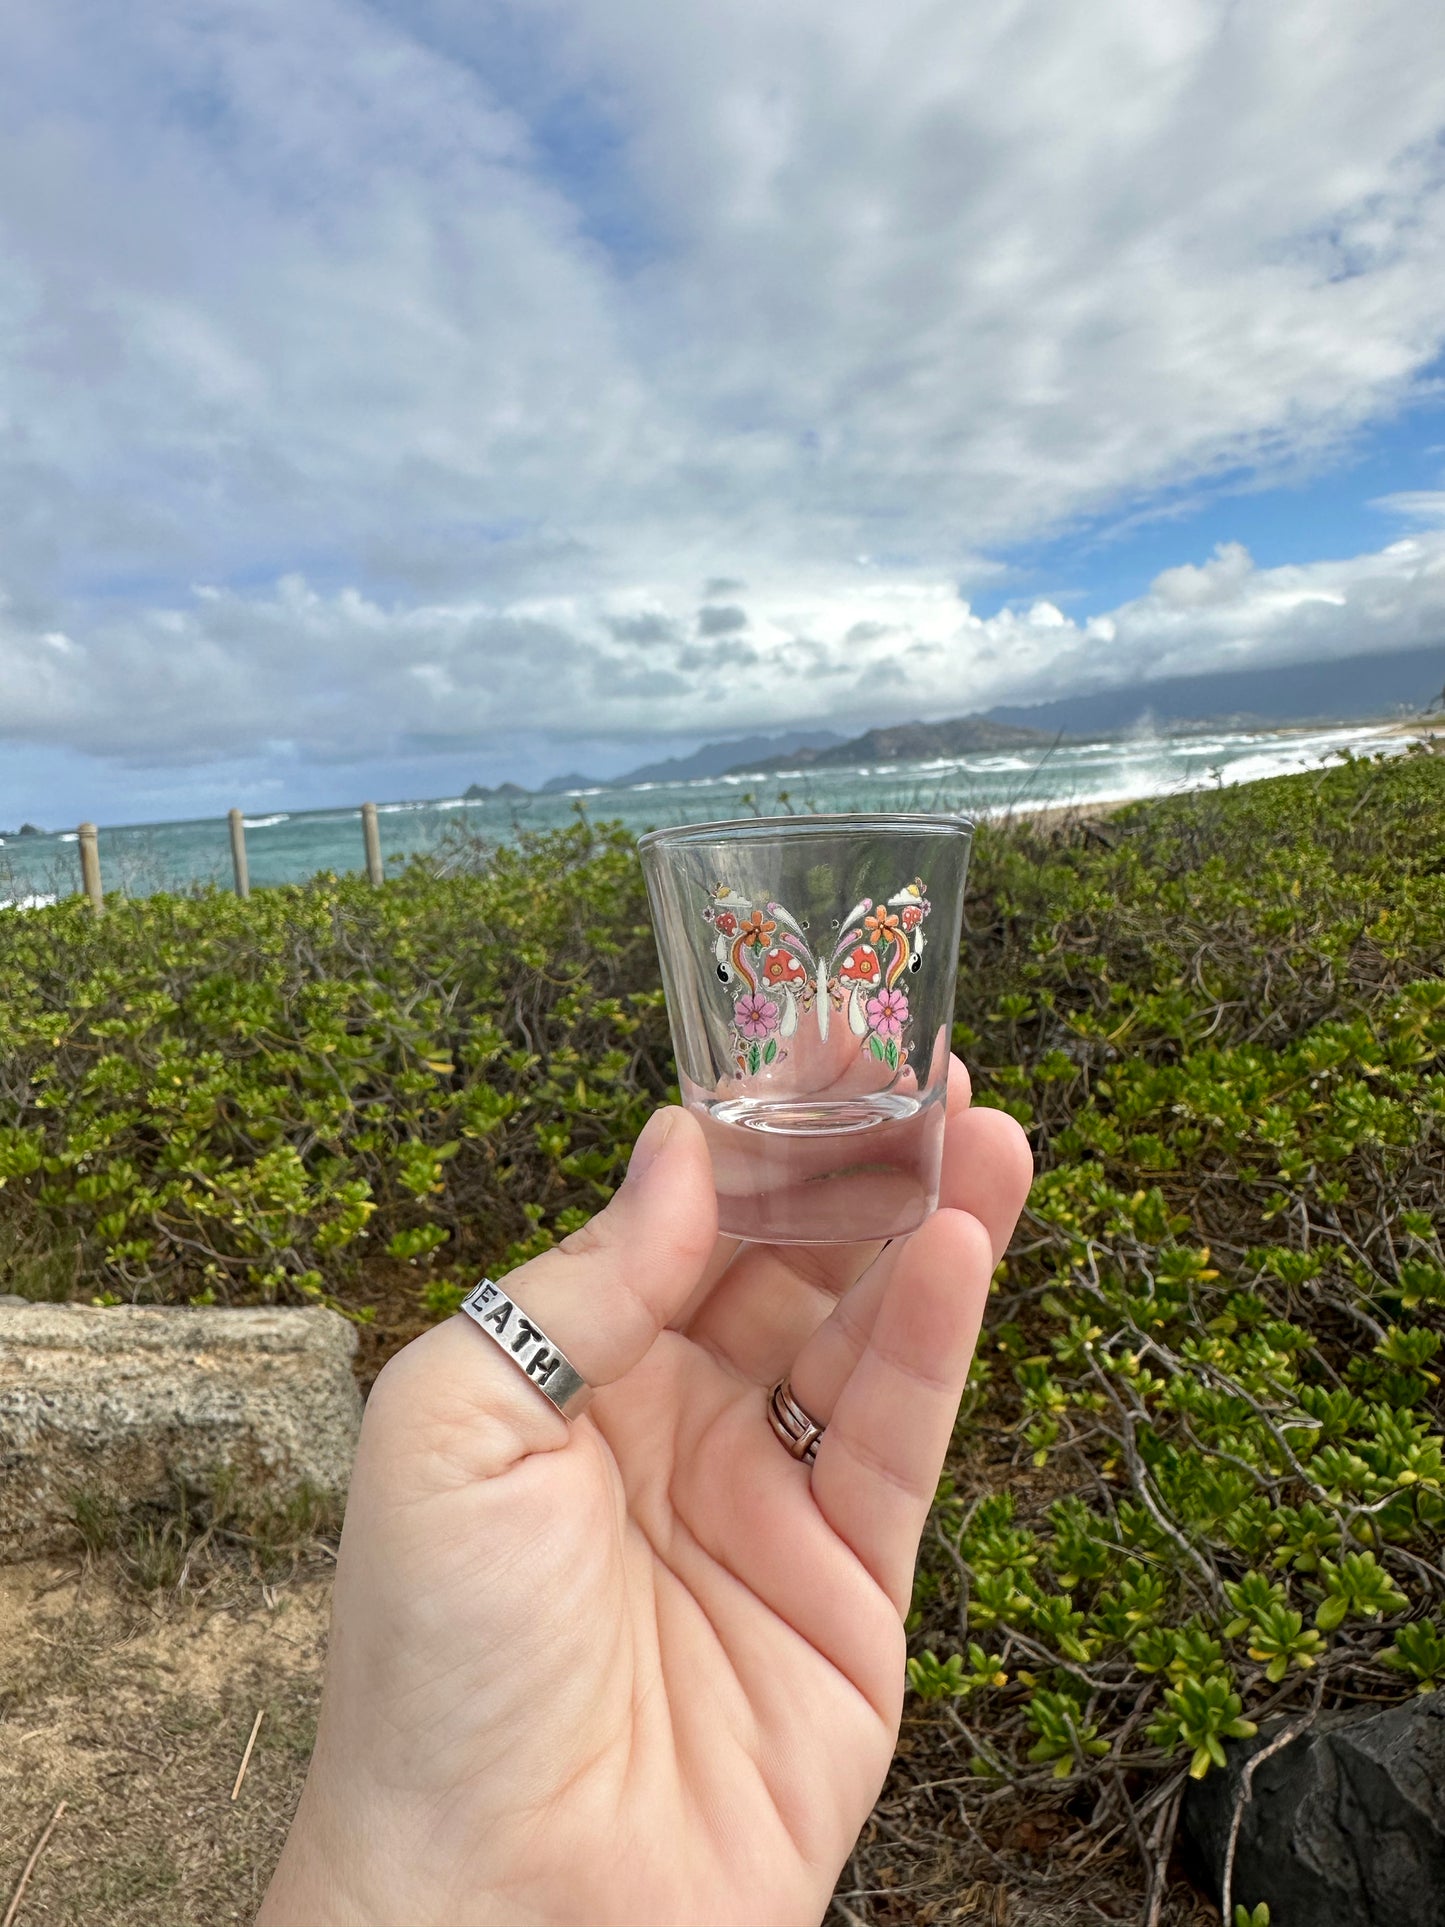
x=1331 y=1612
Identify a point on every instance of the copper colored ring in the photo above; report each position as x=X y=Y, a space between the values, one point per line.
x=798 y=1430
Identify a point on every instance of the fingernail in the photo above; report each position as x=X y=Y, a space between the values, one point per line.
x=650 y=1145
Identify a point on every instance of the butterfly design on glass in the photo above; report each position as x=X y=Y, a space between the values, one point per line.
x=775 y=977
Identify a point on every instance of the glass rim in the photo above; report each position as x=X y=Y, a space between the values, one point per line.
x=834 y=823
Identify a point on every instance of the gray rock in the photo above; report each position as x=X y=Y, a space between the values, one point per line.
x=1345 y=1827
x=118 y=1402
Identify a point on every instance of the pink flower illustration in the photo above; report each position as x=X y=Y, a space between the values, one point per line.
x=755 y=1015
x=888 y=1012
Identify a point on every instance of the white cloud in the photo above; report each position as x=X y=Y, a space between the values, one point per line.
x=310 y=294
x=1415 y=505
x=1009 y=264
x=349 y=679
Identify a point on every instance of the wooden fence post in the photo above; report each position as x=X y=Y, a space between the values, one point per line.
x=238 y=853
x=90 y=868
x=372 y=835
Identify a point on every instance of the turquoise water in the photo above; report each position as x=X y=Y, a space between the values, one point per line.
x=283 y=847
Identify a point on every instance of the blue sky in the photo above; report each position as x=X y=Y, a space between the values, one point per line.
x=1345 y=507
x=396 y=395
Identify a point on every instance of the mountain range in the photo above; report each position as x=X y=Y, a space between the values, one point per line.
x=713 y=759
x=905 y=743
x=1348 y=689
x=1344 y=690
x=1324 y=692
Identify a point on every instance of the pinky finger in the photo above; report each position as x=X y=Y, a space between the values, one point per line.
x=879 y=1459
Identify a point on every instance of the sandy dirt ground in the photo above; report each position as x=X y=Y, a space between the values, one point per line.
x=136 y=1714
x=135 y=1710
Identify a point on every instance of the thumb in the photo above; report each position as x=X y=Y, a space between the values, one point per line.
x=609 y=1288
x=601 y=1296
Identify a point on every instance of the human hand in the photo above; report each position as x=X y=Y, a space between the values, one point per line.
x=645 y=1668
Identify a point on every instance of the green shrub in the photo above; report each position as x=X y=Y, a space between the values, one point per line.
x=329 y=1092
x=1208 y=1452
x=1200 y=1476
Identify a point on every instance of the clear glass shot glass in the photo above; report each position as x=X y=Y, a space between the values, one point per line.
x=809 y=965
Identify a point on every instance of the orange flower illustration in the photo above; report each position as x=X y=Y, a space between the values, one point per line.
x=758 y=929
x=883 y=924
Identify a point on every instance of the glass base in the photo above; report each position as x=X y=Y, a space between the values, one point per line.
x=841 y=1170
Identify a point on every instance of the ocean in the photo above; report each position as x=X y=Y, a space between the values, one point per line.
x=138 y=859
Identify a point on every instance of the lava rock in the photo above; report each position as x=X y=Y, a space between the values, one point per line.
x=117 y=1403
x=1345 y=1826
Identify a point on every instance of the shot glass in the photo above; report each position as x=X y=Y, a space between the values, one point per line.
x=809 y=966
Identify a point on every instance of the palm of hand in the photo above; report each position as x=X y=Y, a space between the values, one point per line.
x=648 y=1668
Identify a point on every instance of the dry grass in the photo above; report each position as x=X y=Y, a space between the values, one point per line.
x=940 y=1848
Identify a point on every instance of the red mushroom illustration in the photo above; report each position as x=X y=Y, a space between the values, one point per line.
x=780 y=966
x=860 y=966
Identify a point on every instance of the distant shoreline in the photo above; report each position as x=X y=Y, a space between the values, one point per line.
x=870 y=749
x=1093 y=777
x=1432 y=727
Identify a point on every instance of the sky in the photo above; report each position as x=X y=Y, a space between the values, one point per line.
x=394 y=396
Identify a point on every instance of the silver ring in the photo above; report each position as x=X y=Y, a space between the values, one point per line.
x=797 y=1429
x=528 y=1347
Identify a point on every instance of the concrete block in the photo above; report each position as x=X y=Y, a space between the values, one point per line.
x=120 y=1401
